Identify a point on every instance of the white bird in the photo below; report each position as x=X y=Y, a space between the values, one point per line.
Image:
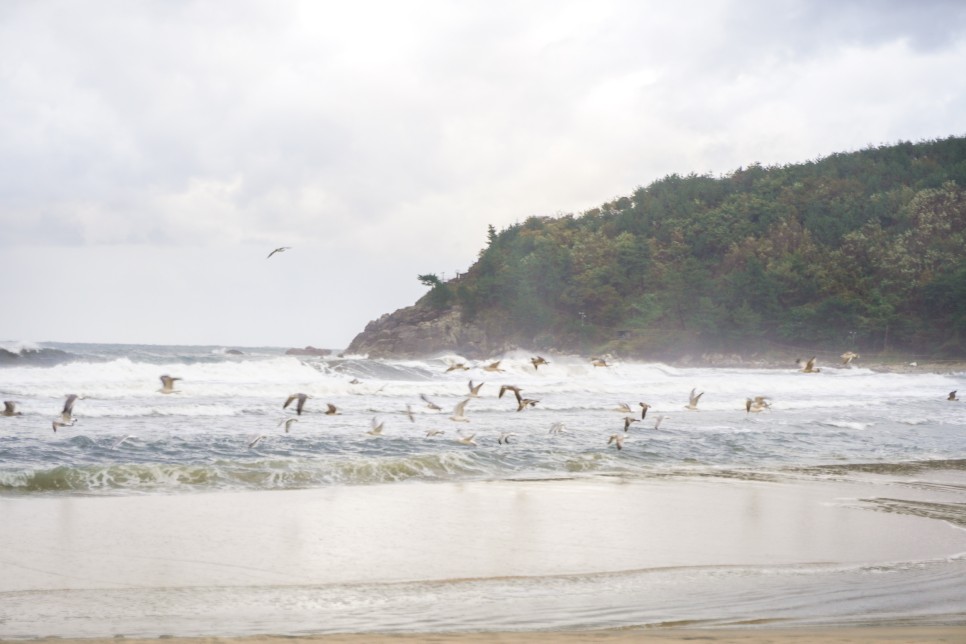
x=255 y=441
x=10 y=409
x=558 y=428
x=623 y=408
x=627 y=422
x=504 y=438
x=121 y=441
x=466 y=439
x=434 y=432
x=475 y=389
x=693 y=400
x=458 y=412
x=657 y=421
x=167 y=384
x=67 y=414
x=280 y=249
x=618 y=439
x=493 y=366
x=409 y=413
x=56 y=424
x=377 y=426
x=288 y=423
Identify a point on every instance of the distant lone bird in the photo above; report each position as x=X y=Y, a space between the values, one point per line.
x=300 y=405
x=952 y=395
x=848 y=357
x=10 y=409
x=537 y=361
x=288 y=423
x=493 y=366
x=167 y=384
x=693 y=400
x=67 y=413
x=430 y=403
x=644 y=408
x=475 y=389
x=627 y=422
x=280 y=249
x=618 y=439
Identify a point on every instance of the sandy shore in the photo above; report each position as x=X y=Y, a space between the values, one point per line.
x=531 y=561
x=858 y=635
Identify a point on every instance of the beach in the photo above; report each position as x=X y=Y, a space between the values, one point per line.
x=493 y=557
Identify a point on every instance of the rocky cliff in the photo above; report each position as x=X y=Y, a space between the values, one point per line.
x=422 y=330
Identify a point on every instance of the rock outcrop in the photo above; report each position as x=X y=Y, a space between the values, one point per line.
x=422 y=330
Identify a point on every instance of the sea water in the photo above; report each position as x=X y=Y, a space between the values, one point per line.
x=222 y=433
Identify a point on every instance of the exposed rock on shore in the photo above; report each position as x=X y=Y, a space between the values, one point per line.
x=422 y=330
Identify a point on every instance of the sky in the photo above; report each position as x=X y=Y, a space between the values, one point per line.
x=153 y=153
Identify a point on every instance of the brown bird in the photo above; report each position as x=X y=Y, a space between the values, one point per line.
x=526 y=402
x=459 y=365
x=952 y=395
x=493 y=366
x=513 y=388
x=599 y=362
x=537 y=361
x=10 y=409
x=627 y=422
x=809 y=366
x=301 y=402
x=167 y=384
x=55 y=424
x=430 y=403
x=848 y=357
x=331 y=410
x=618 y=439
x=644 y=408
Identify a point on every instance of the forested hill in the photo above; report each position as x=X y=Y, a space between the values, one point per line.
x=863 y=250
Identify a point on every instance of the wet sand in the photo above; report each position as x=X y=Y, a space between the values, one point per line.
x=74 y=549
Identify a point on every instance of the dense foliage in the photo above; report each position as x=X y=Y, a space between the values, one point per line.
x=864 y=250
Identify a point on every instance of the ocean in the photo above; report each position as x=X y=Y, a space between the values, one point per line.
x=842 y=502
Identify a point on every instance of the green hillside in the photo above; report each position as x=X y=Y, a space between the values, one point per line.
x=861 y=250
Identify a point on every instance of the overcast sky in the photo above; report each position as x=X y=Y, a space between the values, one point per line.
x=152 y=154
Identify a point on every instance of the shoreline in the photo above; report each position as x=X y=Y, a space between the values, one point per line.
x=859 y=634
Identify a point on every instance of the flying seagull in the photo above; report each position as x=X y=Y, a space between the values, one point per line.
x=377 y=426
x=599 y=362
x=644 y=408
x=10 y=409
x=332 y=410
x=434 y=432
x=809 y=366
x=952 y=395
x=618 y=439
x=430 y=403
x=623 y=408
x=288 y=423
x=67 y=414
x=475 y=389
x=693 y=399
x=493 y=366
x=167 y=384
x=280 y=249
x=258 y=439
x=504 y=438
x=558 y=428
x=627 y=422
x=55 y=424
x=848 y=357
x=122 y=440
x=466 y=439
x=459 y=412
x=537 y=361
x=301 y=402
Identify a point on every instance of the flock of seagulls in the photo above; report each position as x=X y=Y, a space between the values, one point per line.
x=755 y=404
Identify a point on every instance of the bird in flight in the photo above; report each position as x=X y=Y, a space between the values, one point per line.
x=693 y=400
x=10 y=409
x=537 y=361
x=280 y=249
x=301 y=402
x=167 y=384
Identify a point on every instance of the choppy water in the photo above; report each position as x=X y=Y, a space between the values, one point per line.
x=221 y=432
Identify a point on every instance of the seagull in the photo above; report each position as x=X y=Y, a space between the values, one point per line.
x=513 y=388
x=376 y=427
x=848 y=357
x=466 y=439
x=434 y=432
x=537 y=361
x=280 y=249
x=167 y=384
x=493 y=366
x=10 y=409
x=331 y=410
x=457 y=366
x=67 y=414
x=809 y=366
x=504 y=438
x=55 y=424
x=526 y=402
x=627 y=422
x=475 y=390
x=599 y=362
x=618 y=439
x=693 y=400
x=287 y=422
x=751 y=406
x=409 y=413
x=644 y=408
x=952 y=395
x=258 y=439
x=430 y=403
x=301 y=402
x=458 y=412
x=623 y=408
x=657 y=421
x=121 y=441
x=558 y=428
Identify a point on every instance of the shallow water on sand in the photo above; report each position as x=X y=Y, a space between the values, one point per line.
x=162 y=514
